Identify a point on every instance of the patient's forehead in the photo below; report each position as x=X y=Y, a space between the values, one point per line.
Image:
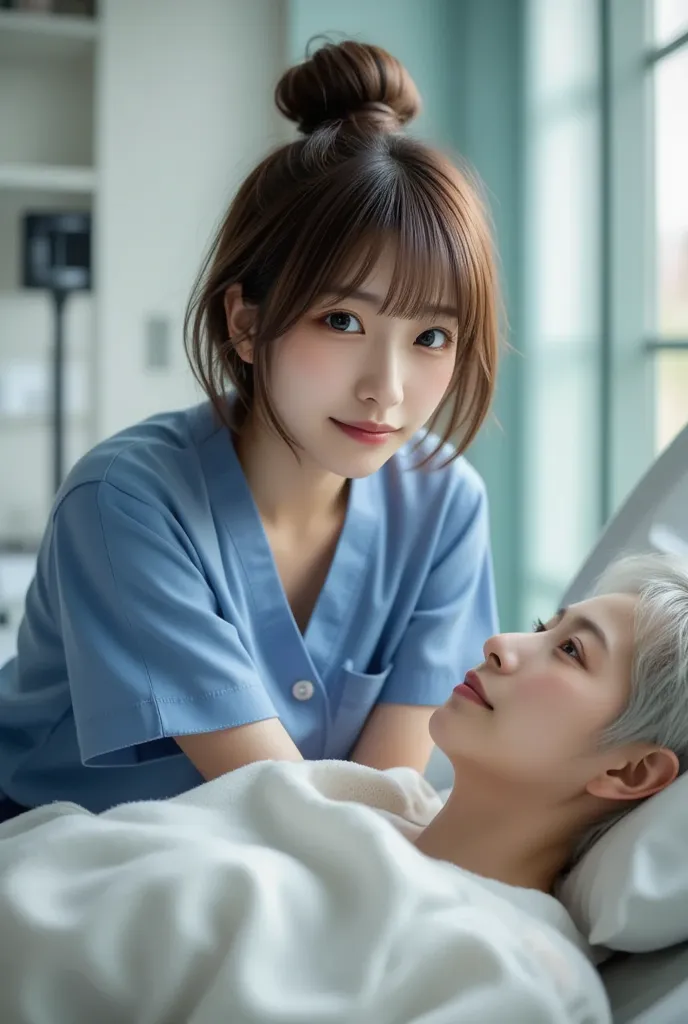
x=618 y=605
x=612 y=621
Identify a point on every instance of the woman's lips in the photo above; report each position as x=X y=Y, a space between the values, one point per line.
x=472 y=689
x=369 y=433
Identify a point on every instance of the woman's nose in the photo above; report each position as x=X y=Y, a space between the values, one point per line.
x=382 y=379
x=500 y=653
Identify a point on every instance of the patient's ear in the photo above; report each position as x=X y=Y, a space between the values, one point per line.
x=639 y=773
x=241 y=318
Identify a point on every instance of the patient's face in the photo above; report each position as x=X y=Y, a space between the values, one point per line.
x=551 y=693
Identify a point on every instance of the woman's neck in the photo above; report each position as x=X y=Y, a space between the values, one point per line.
x=289 y=490
x=498 y=835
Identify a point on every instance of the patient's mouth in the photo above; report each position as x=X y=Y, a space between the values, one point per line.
x=472 y=689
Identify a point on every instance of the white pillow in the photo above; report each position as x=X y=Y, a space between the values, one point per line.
x=630 y=891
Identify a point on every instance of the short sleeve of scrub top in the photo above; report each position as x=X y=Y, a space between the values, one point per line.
x=455 y=611
x=147 y=654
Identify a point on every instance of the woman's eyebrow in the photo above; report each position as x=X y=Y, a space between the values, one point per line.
x=378 y=300
x=584 y=623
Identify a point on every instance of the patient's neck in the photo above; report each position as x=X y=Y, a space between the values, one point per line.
x=501 y=833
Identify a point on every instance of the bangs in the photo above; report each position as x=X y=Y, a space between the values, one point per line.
x=425 y=281
x=421 y=222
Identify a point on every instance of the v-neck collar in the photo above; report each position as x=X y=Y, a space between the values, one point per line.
x=237 y=513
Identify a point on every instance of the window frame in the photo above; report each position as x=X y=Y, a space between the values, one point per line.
x=630 y=339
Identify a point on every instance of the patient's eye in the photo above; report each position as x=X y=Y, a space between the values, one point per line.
x=569 y=647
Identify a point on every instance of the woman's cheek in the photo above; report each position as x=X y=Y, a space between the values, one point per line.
x=307 y=355
x=544 y=696
x=430 y=382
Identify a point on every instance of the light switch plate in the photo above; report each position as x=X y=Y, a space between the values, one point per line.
x=157 y=348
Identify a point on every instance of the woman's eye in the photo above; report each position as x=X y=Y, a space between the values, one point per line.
x=345 y=323
x=434 y=338
x=570 y=648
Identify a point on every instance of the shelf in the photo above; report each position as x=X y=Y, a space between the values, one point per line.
x=46 y=35
x=16 y=547
x=46 y=178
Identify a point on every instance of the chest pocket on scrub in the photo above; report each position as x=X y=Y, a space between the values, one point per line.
x=359 y=693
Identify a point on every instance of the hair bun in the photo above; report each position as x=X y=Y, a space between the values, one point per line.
x=353 y=82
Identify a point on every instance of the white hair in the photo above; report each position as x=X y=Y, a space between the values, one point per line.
x=657 y=709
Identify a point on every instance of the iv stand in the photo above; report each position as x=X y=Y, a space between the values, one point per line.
x=59 y=296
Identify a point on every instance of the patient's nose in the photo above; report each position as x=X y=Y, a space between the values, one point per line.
x=501 y=652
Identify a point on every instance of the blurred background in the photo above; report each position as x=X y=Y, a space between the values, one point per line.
x=135 y=120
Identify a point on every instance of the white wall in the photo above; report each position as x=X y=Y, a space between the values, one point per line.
x=185 y=110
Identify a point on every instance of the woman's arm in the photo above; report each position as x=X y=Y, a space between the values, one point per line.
x=395 y=735
x=216 y=753
x=147 y=654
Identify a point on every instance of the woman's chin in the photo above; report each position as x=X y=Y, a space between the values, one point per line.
x=455 y=729
x=442 y=728
x=355 y=466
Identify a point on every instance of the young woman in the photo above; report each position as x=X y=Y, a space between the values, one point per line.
x=296 y=568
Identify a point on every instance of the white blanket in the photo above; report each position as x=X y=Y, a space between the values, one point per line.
x=269 y=895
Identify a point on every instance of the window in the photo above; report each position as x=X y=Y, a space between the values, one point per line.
x=562 y=275
x=604 y=321
x=670 y=91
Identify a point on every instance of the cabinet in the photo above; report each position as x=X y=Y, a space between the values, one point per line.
x=47 y=70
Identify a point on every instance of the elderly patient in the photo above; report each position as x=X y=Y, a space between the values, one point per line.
x=561 y=731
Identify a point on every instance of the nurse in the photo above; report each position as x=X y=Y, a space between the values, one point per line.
x=295 y=568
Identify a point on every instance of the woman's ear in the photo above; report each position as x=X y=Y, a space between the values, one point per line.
x=641 y=773
x=241 y=319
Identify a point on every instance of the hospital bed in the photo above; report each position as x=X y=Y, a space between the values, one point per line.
x=649 y=988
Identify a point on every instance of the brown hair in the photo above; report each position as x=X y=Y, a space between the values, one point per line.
x=316 y=215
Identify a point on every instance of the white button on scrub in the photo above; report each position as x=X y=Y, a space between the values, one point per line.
x=303 y=690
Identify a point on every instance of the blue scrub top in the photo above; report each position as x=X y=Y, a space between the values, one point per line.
x=157 y=611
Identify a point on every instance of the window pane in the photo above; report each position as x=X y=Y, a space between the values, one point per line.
x=671 y=20
x=671 y=177
x=671 y=170
x=561 y=471
x=672 y=396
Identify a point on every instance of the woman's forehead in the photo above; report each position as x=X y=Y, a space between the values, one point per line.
x=612 y=617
